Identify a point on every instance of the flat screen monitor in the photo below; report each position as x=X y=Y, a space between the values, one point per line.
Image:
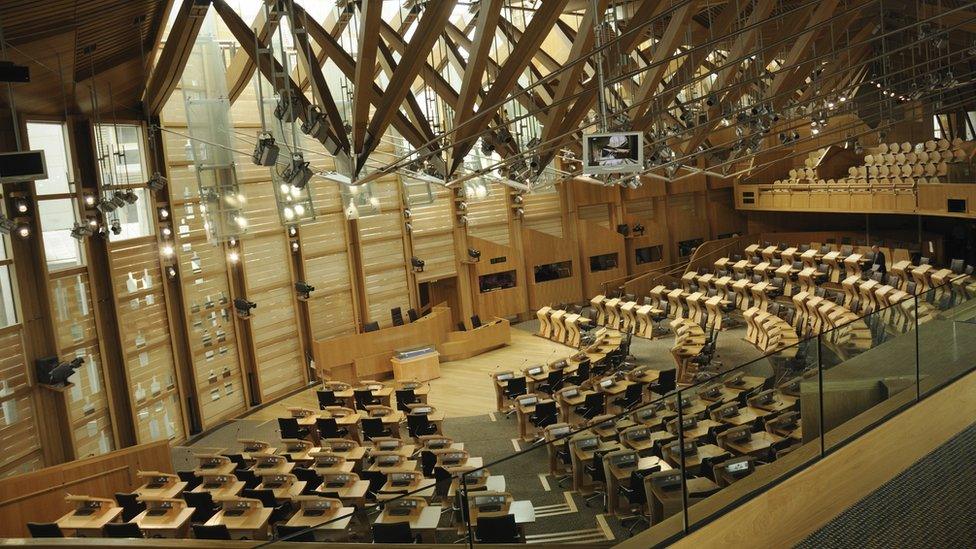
x=22 y=166
x=615 y=152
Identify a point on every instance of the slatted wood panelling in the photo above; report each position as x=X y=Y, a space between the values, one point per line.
x=543 y=213
x=325 y=255
x=385 y=278
x=18 y=428
x=433 y=236
x=147 y=349
x=207 y=298
x=77 y=336
x=488 y=217
x=274 y=323
x=597 y=214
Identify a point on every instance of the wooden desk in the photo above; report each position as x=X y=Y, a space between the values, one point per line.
x=423 y=522
x=759 y=443
x=460 y=345
x=424 y=487
x=422 y=368
x=746 y=415
x=494 y=483
x=169 y=491
x=580 y=458
x=692 y=462
x=287 y=491
x=338 y=521
x=174 y=524
x=700 y=430
x=89 y=525
x=354 y=492
x=406 y=466
x=226 y=491
x=253 y=524
x=667 y=502
x=357 y=356
x=618 y=476
x=523 y=510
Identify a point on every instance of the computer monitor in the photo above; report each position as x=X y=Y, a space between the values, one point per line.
x=615 y=152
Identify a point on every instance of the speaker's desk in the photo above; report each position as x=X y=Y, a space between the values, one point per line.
x=424 y=367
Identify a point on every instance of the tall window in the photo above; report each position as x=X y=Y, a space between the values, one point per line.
x=56 y=207
x=120 y=151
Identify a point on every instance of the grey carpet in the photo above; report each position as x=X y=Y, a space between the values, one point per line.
x=931 y=504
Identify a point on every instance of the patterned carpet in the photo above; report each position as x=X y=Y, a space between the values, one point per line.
x=932 y=504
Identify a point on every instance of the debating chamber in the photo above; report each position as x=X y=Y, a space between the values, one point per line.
x=459 y=273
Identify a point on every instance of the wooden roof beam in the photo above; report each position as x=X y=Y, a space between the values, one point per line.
x=478 y=57
x=369 y=38
x=172 y=60
x=428 y=29
x=536 y=31
x=320 y=87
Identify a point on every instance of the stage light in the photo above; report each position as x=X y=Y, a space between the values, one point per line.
x=233 y=257
x=417 y=264
x=130 y=197
x=265 y=151
x=89 y=200
x=23 y=230
x=106 y=206
x=243 y=307
x=79 y=232
x=297 y=174
x=156 y=182
x=116 y=227
x=167 y=251
x=474 y=254
x=21 y=205
x=287 y=107
x=303 y=290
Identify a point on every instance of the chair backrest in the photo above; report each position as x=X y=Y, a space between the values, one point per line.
x=248 y=477
x=219 y=531
x=202 y=505
x=396 y=532
x=371 y=326
x=923 y=260
x=412 y=315
x=44 y=530
x=427 y=462
x=599 y=474
x=376 y=480
x=265 y=496
x=516 y=386
x=130 y=504
x=326 y=398
x=405 y=397
x=594 y=401
x=308 y=475
x=363 y=397
x=633 y=392
x=396 y=314
x=417 y=424
x=238 y=460
x=497 y=529
x=666 y=381
x=327 y=426
x=475 y=321
x=288 y=427
x=190 y=478
x=372 y=426
x=294 y=533
x=546 y=413
x=957 y=266
x=122 y=530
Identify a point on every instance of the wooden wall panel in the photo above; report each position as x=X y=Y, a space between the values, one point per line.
x=433 y=236
x=488 y=217
x=501 y=302
x=385 y=279
x=18 y=428
x=144 y=333
x=543 y=212
x=39 y=496
x=542 y=248
x=274 y=323
x=598 y=241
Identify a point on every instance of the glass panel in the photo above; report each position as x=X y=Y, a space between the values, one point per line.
x=759 y=424
x=57 y=219
x=3 y=247
x=135 y=220
x=869 y=363
x=52 y=139
x=8 y=312
x=946 y=329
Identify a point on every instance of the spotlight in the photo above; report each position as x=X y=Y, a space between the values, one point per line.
x=463 y=219
x=79 y=232
x=474 y=255
x=265 y=151
x=243 y=307
x=297 y=173
x=118 y=199
x=462 y=206
x=638 y=229
x=23 y=230
x=89 y=200
x=406 y=213
x=303 y=290
x=116 y=227
x=315 y=125
x=294 y=247
x=417 y=264
x=287 y=107
x=167 y=251
x=130 y=197
x=156 y=182
x=519 y=212
x=106 y=206
x=21 y=206
x=163 y=213
x=408 y=227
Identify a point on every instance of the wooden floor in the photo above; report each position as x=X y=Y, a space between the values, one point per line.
x=464 y=388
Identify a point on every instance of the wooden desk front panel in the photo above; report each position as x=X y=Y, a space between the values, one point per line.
x=371 y=351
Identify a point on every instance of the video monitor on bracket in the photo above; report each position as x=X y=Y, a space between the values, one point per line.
x=614 y=152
